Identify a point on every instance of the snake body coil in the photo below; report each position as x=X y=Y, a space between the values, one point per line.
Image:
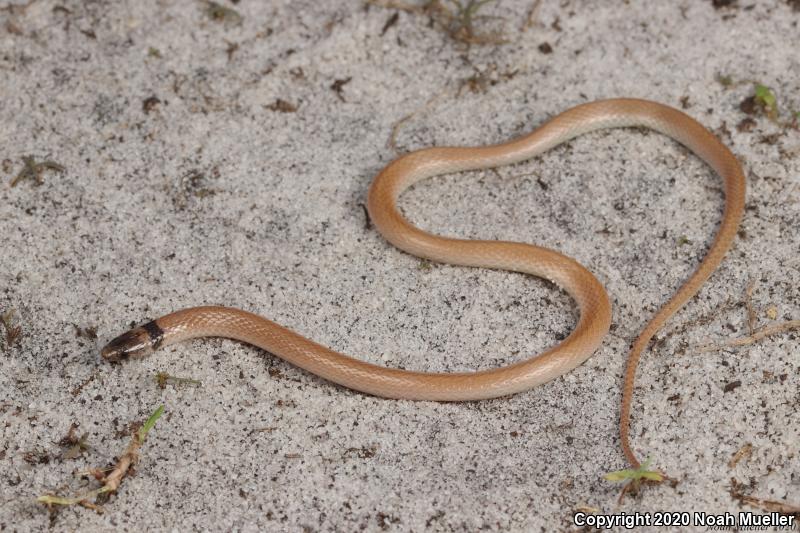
x=588 y=293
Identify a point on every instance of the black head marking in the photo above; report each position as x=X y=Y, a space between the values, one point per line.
x=155 y=332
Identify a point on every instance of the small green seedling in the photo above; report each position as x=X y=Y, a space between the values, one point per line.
x=162 y=378
x=52 y=499
x=635 y=474
x=112 y=481
x=766 y=99
x=633 y=477
x=149 y=423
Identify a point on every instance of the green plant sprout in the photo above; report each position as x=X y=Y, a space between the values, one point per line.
x=162 y=378
x=633 y=477
x=112 y=481
x=766 y=99
x=635 y=474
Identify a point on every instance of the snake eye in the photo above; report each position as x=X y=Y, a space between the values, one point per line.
x=134 y=343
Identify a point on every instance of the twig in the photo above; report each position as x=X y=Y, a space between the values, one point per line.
x=748 y=302
x=12 y=332
x=766 y=331
x=744 y=451
x=394 y=4
x=532 y=15
x=33 y=170
x=764 y=505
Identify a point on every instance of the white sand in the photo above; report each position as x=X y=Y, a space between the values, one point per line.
x=275 y=225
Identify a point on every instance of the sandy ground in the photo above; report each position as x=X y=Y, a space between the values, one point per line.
x=217 y=157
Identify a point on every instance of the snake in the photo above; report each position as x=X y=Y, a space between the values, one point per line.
x=582 y=286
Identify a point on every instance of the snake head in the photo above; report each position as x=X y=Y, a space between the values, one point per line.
x=135 y=343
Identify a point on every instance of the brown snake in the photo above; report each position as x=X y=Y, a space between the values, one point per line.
x=588 y=293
